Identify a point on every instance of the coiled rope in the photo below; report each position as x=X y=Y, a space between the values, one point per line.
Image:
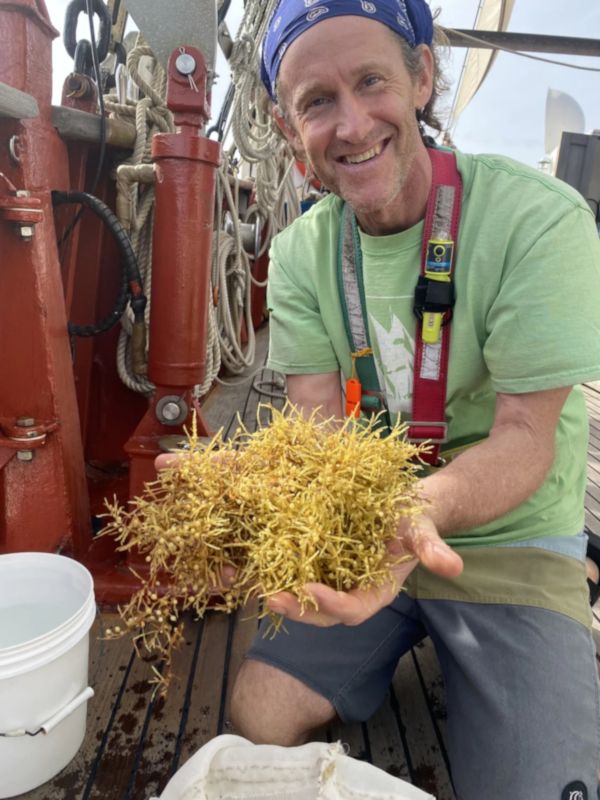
x=251 y=124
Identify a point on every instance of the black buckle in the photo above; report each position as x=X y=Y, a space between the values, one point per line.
x=434 y=296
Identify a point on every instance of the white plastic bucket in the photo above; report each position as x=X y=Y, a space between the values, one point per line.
x=47 y=608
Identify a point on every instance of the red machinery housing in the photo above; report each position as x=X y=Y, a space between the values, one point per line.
x=71 y=433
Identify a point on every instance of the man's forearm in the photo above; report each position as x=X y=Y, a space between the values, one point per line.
x=498 y=474
x=487 y=481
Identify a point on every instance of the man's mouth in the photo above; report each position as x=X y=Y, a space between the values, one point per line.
x=359 y=158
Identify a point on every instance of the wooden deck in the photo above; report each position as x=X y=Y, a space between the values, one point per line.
x=134 y=743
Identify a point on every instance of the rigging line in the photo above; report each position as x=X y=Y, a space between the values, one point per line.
x=98 y=77
x=479 y=40
x=254 y=26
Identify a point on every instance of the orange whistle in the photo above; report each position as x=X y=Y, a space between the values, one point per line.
x=353 y=397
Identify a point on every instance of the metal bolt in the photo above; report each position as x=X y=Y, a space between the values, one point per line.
x=185 y=64
x=26 y=232
x=170 y=412
x=26 y=422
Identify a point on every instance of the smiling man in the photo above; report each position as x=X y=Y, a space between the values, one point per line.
x=353 y=119
x=437 y=258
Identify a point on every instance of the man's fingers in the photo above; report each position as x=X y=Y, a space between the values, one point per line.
x=419 y=537
x=334 y=608
x=165 y=460
x=438 y=557
x=225 y=458
x=401 y=567
x=286 y=604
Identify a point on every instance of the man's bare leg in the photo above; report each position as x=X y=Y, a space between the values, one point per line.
x=269 y=706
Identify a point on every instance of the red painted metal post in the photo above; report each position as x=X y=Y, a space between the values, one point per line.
x=186 y=164
x=183 y=225
x=43 y=493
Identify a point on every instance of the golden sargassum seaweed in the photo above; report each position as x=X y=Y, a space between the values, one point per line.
x=300 y=500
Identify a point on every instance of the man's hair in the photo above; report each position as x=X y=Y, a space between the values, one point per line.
x=412 y=59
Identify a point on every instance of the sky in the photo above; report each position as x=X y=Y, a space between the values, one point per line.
x=507 y=115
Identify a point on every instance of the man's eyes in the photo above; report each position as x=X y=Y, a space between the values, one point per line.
x=314 y=103
x=371 y=80
x=318 y=101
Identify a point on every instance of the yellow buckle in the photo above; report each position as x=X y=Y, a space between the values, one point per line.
x=432 y=320
x=432 y=326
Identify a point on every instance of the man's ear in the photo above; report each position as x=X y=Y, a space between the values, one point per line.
x=424 y=82
x=289 y=132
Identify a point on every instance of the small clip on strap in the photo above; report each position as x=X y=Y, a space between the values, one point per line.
x=353 y=385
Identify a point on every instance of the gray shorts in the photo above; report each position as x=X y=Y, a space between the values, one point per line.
x=521 y=684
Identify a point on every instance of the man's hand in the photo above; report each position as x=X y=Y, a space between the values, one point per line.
x=418 y=538
x=219 y=458
x=166 y=460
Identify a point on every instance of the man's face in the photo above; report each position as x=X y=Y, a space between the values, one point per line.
x=351 y=110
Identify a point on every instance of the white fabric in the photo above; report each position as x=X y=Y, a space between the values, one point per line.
x=232 y=768
x=493 y=15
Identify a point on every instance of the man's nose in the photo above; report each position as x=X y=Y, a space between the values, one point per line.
x=353 y=118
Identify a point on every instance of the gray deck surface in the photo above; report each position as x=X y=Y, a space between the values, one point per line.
x=134 y=743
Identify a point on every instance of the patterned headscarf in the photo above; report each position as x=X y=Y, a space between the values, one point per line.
x=410 y=19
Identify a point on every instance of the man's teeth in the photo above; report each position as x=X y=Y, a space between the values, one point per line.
x=357 y=159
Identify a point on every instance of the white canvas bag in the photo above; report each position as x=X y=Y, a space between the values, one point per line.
x=232 y=768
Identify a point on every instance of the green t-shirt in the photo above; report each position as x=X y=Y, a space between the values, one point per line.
x=527 y=318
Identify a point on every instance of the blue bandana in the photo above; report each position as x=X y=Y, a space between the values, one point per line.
x=410 y=19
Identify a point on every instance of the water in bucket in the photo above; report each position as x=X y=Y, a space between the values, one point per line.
x=22 y=622
x=47 y=607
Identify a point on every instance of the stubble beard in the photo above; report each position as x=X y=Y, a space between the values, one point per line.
x=370 y=206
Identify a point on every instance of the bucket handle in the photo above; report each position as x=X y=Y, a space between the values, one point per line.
x=57 y=718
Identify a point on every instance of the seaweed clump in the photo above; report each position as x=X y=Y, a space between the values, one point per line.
x=300 y=500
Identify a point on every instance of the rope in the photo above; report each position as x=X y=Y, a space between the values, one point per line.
x=135 y=191
x=233 y=278
x=251 y=125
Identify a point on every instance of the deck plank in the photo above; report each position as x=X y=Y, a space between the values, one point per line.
x=227 y=398
x=118 y=764
x=206 y=696
x=428 y=769
x=157 y=748
x=353 y=736
x=430 y=676
x=387 y=742
x=592 y=498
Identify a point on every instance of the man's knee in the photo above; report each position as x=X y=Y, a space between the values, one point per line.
x=269 y=706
